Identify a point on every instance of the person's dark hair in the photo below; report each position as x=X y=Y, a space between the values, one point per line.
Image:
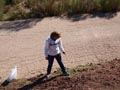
x=55 y=34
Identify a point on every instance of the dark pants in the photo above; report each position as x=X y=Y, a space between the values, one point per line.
x=51 y=60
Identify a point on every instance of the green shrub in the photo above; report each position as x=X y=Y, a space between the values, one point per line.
x=2 y=3
x=109 y=5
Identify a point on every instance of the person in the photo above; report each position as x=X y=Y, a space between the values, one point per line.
x=53 y=49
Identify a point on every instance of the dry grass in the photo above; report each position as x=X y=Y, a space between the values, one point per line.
x=41 y=8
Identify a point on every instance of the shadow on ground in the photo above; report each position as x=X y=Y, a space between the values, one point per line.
x=108 y=16
x=24 y=24
x=18 y=24
x=5 y=83
x=39 y=81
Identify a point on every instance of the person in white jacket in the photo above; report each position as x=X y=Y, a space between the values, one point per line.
x=53 y=49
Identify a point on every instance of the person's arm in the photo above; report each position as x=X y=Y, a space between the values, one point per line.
x=61 y=46
x=46 y=49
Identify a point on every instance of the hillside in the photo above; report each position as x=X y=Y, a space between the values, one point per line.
x=103 y=76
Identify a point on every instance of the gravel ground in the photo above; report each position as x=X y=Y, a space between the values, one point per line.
x=86 y=39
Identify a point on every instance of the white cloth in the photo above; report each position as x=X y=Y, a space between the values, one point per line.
x=53 y=47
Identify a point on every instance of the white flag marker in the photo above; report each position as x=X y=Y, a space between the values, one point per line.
x=13 y=74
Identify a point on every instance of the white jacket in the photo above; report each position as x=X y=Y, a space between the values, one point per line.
x=53 y=47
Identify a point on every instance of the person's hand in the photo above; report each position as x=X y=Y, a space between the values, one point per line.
x=46 y=58
x=64 y=53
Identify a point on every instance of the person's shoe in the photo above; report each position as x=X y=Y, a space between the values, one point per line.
x=47 y=75
x=65 y=74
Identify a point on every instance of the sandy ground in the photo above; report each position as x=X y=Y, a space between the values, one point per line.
x=86 y=39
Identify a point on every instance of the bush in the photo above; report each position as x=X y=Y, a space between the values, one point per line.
x=109 y=5
x=42 y=8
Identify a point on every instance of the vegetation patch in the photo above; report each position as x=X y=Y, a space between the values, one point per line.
x=22 y=9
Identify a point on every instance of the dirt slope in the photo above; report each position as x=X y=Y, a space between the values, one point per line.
x=104 y=76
